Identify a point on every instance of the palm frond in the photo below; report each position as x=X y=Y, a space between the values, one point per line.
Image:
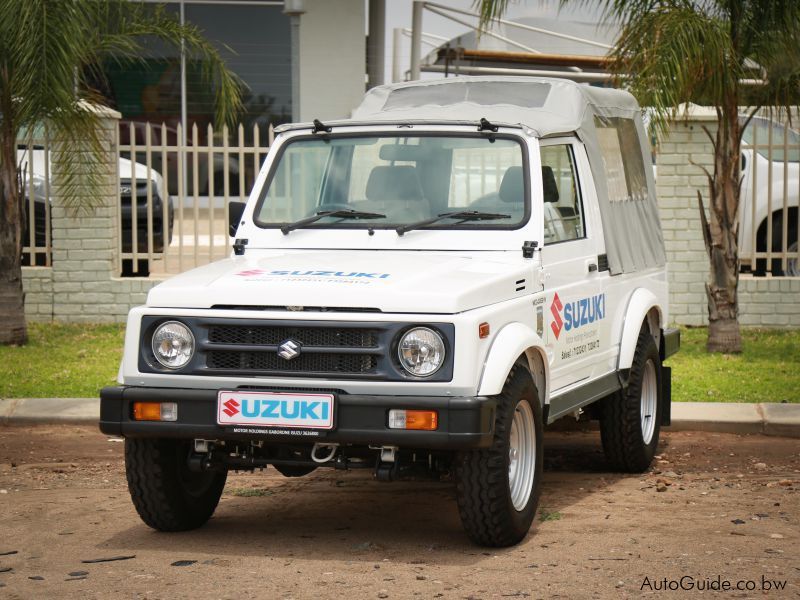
x=44 y=51
x=489 y=10
x=132 y=22
x=672 y=55
x=47 y=49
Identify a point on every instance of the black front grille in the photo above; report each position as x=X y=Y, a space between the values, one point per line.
x=326 y=349
x=307 y=336
x=269 y=361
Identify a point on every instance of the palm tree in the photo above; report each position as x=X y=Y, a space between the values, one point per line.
x=723 y=53
x=49 y=51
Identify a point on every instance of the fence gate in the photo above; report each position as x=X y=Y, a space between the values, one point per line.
x=174 y=196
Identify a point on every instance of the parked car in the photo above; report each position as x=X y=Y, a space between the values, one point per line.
x=770 y=170
x=162 y=235
x=170 y=139
x=374 y=315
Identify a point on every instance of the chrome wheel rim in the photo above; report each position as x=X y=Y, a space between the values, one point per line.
x=521 y=456
x=792 y=264
x=649 y=401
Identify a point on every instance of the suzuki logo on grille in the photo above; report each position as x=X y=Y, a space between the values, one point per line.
x=289 y=349
x=555 y=309
x=231 y=407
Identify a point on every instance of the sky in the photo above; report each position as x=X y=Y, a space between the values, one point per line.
x=398 y=14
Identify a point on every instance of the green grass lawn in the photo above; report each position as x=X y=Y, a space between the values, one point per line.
x=62 y=361
x=77 y=360
x=768 y=370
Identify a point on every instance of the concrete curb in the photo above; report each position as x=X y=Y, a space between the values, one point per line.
x=49 y=410
x=764 y=418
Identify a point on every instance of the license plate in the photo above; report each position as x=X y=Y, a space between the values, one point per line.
x=275 y=409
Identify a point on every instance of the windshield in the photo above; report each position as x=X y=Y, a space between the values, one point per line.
x=762 y=127
x=399 y=180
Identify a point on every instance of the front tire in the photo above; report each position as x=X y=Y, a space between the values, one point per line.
x=166 y=494
x=631 y=418
x=498 y=487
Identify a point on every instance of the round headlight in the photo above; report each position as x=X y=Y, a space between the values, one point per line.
x=173 y=344
x=421 y=351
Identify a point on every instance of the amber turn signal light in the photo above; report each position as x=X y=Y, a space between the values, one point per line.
x=155 y=411
x=425 y=420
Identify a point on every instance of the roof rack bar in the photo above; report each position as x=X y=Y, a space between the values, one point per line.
x=571 y=75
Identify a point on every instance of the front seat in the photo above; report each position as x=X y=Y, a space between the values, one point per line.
x=512 y=192
x=554 y=229
x=397 y=191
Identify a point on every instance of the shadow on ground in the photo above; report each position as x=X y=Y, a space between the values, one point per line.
x=350 y=514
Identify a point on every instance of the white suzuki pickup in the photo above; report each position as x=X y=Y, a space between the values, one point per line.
x=417 y=290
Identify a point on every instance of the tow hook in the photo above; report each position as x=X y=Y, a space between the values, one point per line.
x=200 y=459
x=331 y=448
x=387 y=468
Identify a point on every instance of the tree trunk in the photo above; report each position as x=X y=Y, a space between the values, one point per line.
x=721 y=236
x=12 y=298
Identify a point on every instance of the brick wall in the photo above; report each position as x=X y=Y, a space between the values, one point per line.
x=38 y=285
x=763 y=301
x=83 y=283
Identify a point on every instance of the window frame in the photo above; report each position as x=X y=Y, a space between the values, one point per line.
x=570 y=144
x=371 y=225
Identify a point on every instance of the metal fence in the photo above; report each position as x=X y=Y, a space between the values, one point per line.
x=769 y=220
x=33 y=158
x=174 y=196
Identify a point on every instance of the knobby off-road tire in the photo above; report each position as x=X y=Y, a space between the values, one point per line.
x=485 y=497
x=631 y=419
x=168 y=496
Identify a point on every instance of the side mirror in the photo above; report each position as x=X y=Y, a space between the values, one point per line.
x=235 y=211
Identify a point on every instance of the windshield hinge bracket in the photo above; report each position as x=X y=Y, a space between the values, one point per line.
x=320 y=127
x=485 y=125
x=529 y=248
x=238 y=246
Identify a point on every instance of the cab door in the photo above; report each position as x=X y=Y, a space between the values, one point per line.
x=574 y=302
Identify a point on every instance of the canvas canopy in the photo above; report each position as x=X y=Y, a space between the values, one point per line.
x=607 y=121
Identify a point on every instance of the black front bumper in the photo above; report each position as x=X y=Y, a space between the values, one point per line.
x=464 y=422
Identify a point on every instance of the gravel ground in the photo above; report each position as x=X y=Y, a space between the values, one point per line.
x=715 y=508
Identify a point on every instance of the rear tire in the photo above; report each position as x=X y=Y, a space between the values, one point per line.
x=630 y=422
x=166 y=494
x=498 y=487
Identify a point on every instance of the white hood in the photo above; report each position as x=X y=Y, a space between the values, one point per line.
x=126 y=167
x=126 y=171
x=396 y=282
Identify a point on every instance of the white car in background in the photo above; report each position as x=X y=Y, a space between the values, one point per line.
x=765 y=174
x=33 y=168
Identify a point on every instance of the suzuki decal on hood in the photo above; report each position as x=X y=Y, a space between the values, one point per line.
x=302 y=275
x=402 y=282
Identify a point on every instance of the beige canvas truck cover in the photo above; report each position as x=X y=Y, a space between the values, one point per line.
x=607 y=121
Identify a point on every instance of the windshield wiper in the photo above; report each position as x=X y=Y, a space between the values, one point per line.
x=461 y=215
x=339 y=214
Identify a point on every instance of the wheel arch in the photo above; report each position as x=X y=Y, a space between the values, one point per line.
x=513 y=342
x=777 y=227
x=643 y=310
